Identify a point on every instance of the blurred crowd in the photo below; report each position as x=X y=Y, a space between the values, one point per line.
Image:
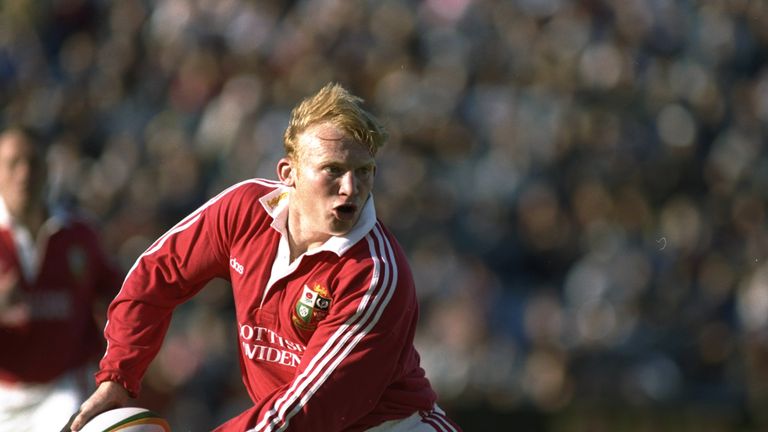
x=580 y=184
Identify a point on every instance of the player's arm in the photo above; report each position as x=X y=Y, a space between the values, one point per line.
x=174 y=268
x=167 y=274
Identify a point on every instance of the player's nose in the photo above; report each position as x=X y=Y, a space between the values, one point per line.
x=348 y=184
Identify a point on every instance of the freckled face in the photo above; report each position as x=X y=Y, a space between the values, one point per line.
x=332 y=178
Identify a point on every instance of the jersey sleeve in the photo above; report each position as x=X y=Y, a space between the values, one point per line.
x=354 y=355
x=173 y=269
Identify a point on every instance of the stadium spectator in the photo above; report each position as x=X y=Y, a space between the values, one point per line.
x=55 y=283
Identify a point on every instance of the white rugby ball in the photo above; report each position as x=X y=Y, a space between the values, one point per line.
x=129 y=419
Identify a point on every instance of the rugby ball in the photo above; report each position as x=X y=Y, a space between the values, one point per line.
x=129 y=419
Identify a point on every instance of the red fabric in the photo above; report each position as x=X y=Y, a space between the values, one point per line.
x=61 y=333
x=351 y=366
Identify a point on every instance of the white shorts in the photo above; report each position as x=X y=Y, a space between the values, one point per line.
x=42 y=407
x=422 y=421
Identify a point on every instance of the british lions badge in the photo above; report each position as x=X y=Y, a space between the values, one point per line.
x=311 y=308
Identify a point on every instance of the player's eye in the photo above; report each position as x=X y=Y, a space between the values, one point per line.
x=334 y=170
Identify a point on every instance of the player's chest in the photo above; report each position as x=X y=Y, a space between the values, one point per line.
x=53 y=263
x=291 y=299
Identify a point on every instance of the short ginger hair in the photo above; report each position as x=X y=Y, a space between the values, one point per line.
x=334 y=104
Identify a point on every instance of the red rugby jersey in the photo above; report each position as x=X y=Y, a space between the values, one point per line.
x=326 y=342
x=72 y=273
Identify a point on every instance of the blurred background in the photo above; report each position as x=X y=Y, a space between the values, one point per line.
x=580 y=184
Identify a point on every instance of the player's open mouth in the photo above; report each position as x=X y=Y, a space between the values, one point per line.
x=345 y=211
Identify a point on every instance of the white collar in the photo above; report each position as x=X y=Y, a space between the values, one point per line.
x=29 y=246
x=276 y=205
x=6 y=221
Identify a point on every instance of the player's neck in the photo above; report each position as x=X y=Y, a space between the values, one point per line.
x=300 y=239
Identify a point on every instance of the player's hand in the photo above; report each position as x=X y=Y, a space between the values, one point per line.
x=107 y=396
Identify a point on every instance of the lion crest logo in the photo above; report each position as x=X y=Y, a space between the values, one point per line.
x=311 y=307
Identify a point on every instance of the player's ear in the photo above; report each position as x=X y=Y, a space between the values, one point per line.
x=286 y=171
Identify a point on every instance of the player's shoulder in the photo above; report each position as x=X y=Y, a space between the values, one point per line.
x=72 y=224
x=248 y=192
x=244 y=203
x=380 y=258
x=256 y=187
x=380 y=234
x=378 y=246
